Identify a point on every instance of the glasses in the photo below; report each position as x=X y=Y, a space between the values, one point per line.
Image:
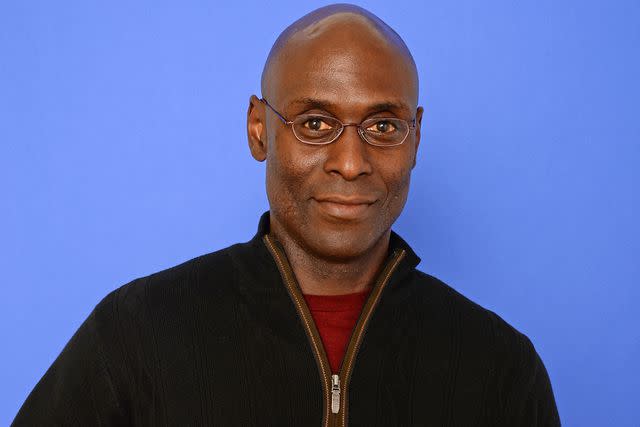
x=318 y=129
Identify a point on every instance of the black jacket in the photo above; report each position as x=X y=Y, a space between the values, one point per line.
x=226 y=339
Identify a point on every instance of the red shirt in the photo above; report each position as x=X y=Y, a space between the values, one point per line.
x=335 y=317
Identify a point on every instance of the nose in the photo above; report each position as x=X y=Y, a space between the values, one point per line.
x=348 y=156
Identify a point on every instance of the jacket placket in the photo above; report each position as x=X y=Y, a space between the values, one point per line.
x=335 y=385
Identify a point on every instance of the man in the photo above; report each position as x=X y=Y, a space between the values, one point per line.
x=322 y=318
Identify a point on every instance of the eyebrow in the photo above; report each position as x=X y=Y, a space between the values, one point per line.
x=312 y=103
x=372 y=109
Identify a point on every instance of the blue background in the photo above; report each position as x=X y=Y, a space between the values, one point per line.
x=123 y=151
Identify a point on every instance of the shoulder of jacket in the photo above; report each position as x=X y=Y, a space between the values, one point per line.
x=518 y=380
x=474 y=314
x=204 y=273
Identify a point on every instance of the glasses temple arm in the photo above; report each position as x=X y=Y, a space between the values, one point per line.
x=280 y=116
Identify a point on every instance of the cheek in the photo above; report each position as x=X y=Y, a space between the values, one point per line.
x=398 y=192
x=397 y=177
x=288 y=169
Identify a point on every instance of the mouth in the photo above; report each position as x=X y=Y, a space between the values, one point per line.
x=345 y=208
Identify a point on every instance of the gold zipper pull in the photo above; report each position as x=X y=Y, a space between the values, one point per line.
x=335 y=394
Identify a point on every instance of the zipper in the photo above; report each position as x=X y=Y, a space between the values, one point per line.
x=335 y=394
x=358 y=332
x=335 y=386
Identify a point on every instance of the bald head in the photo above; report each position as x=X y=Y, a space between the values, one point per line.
x=338 y=27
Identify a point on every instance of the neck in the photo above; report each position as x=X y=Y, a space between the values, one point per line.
x=321 y=276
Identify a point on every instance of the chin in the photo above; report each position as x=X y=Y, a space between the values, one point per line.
x=340 y=244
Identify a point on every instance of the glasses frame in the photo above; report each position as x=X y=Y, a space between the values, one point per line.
x=410 y=126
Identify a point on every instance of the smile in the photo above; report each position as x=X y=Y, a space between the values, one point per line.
x=345 y=208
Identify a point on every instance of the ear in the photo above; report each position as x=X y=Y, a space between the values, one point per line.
x=418 y=134
x=257 y=129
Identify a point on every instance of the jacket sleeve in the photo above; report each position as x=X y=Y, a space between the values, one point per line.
x=77 y=390
x=527 y=394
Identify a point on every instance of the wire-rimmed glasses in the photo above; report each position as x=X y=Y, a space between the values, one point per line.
x=320 y=129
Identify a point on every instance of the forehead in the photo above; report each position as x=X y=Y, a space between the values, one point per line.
x=352 y=66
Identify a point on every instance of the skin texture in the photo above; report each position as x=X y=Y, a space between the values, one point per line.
x=332 y=206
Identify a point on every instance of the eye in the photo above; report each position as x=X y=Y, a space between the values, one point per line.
x=316 y=124
x=382 y=126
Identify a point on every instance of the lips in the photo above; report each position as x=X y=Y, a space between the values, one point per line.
x=347 y=208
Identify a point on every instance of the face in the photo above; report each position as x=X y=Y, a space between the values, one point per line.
x=337 y=200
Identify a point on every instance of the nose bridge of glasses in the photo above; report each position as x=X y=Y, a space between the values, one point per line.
x=358 y=127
